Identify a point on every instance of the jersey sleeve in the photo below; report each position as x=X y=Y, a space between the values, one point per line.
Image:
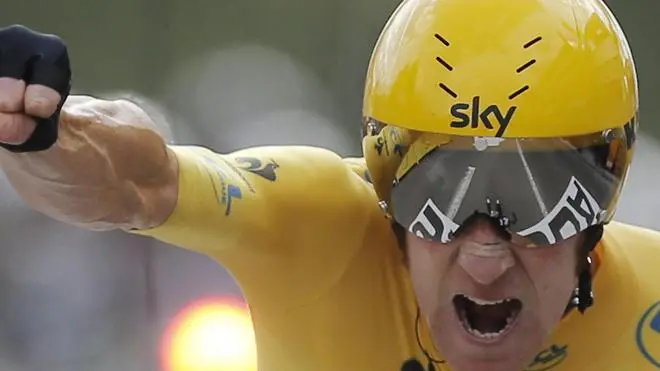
x=261 y=200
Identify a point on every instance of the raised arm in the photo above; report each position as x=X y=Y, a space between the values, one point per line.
x=102 y=165
x=94 y=163
x=109 y=167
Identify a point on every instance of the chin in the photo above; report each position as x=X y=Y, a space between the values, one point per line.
x=467 y=357
x=466 y=364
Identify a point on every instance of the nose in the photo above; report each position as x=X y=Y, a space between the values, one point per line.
x=484 y=255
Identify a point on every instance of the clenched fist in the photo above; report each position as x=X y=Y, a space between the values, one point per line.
x=35 y=80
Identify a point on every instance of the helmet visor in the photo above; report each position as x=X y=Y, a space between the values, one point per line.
x=545 y=189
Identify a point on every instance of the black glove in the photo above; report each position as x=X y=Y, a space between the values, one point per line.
x=36 y=58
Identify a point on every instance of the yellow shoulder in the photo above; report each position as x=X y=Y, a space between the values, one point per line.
x=640 y=249
x=642 y=245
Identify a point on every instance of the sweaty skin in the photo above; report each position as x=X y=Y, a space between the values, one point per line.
x=109 y=168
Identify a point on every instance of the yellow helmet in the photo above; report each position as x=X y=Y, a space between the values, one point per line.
x=521 y=109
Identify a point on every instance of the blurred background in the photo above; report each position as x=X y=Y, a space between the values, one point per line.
x=229 y=74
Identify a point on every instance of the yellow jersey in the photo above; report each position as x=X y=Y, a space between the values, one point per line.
x=301 y=231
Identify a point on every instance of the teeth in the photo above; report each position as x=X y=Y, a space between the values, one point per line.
x=486 y=302
x=487 y=335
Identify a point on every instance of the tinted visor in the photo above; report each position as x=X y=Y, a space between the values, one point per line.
x=546 y=189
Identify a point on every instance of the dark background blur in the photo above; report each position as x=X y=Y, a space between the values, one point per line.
x=231 y=74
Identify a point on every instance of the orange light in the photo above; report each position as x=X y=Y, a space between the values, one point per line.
x=211 y=335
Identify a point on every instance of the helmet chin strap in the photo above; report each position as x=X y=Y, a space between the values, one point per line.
x=583 y=296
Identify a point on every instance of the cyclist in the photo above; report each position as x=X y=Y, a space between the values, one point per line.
x=497 y=136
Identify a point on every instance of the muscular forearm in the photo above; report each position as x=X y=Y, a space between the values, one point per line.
x=109 y=168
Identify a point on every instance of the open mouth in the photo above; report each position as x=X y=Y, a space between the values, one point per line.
x=487 y=319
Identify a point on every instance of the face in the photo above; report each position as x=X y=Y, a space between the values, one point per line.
x=489 y=301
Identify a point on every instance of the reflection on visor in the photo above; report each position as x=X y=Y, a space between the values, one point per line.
x=546 y=189
x=576 y=211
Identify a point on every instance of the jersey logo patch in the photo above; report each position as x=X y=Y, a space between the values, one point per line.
x=224 y=190
x=648 y=334
x=258 y=167
x=549 y=358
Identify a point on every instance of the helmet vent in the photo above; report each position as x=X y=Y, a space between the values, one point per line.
x=525 y=66
x=448 y=90
x=518 y=92
x=532 y=42
x=446 y=65
x=441 y=39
